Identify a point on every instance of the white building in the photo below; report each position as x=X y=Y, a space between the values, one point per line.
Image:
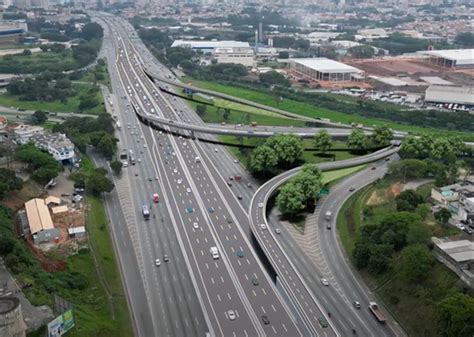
x=57 y=145
x=23 y=133
x=243 y=56
x=451 y=58
x=447 y=94
x=209 y=46
x=323 y=69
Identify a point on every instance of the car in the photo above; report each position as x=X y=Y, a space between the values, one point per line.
x=352 y=189
x=189 y=210
x=255 y=281
x=195 y=225
x=278 y=230
x=175 y=170
x=150 y=179
x=260 y=205
x=166 y=258
x=216 y=150
x=236 y=161
x=179 y=181
x=324 y=282
x=145 y=146
x=211 y=210
x=387 y=159
x=263 y=226
x=136 y=174
x=240 y=253
x=156 y=178
x=229 y=184
x=157 y=262
x=322 y=321
x=373 y=168
x=328 y=226
x=139 y=160
x=356 y=304
x=249 y=185
x=468 y=230
x=231 y=178
x=265 y=320
x=188 y=190
x=229 y=220
x=231 y=315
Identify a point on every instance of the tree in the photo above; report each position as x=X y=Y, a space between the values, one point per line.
x=408 y=200
x=283 y=55
x=290 y=199
x=26 y=52
x=98 y=183
x=273 y=78
x=9 y=182
x=107 y=145
x=379 y=259
x=288 y=148
x=201 y=109
x=381 y=136
x=456 y=315
x=91 y=31
x=443 y=216
x=308 y=181
x=465 y=39
x=357 y=140
x=116 y=166
x=361 y=52
x=263 y=159
x=39 y=117
x=323 y=141
x=408 y=169
x=416 y=262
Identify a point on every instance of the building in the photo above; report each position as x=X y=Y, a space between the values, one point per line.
x=457 y=256
x=243 y=56
x=57 y=145
x=40 y=222
x=11 y=317
x=11 y=32
x=323 y=69
x=209 y=46
x=77 y=232
x=23 y=133
x=450 y=58
x=445 y=94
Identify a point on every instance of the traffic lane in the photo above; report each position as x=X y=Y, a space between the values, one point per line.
x=220 y=304
x=240 y=218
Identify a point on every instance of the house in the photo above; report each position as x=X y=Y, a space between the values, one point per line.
x=40 y=223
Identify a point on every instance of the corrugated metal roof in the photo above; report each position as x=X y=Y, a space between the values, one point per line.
x=38 y=215
x=461 y=56
x=59 y=209
x=52 y=199
x=450 y=94
x=326 y=65
x=210 y=44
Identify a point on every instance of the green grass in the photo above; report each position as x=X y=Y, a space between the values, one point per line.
x=331 y=176
x=89 y=75
x=309 y=110
x=38 y=62
x=72 y=104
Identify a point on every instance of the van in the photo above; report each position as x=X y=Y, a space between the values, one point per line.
x=214 y=253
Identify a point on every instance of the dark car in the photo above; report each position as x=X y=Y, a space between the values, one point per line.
x=255 y=282
x=265 y=320
x=239 y=197
x=166 y=258
x=229 y=184
x=323 y=322
x=352 y=189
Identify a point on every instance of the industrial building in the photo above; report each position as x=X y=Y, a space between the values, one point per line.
x=243 y=56
x=57 y=145
x=12 y=32
x=40 y=223
x=209 y=46
x=323 y=69
x=446 y=94
x=451 y=58
x=457 y=256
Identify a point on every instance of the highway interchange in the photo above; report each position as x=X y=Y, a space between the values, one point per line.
x=192 y=294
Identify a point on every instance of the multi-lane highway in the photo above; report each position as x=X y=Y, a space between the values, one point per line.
x=174 y=284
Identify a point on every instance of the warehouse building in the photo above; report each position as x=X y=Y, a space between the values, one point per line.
x=243 y=56
x=209 y=46
x=40 y=223
x=444 y=94
x=451 y=58
x=323 y=69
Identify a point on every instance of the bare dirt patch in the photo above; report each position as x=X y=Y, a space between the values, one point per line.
x=381 y=196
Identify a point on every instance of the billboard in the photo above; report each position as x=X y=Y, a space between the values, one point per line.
x=61 y=324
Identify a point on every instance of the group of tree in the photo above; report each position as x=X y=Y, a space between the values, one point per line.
x=42 y=166
x=89 y=99
x=9 y=182
x=97 y=132
x=41 y=89
x=280 y=151
x=429 y=147
x=271 y=78
x=300 y=192
x=322 y=141
x=290 y=42
x=361 y=52
x=94 y=182
x=465 y=39
x=380 y=136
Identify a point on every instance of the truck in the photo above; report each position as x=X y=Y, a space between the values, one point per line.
x=374 y=308
x=214 y=253
x=328 y=216
x=145 y=212
x=156 y=198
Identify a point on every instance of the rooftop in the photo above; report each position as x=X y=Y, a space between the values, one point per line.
x=326 y=65
x=460 y=251
x=450 y=94
x=210 y=44
x=461 y=56
x=38 y=215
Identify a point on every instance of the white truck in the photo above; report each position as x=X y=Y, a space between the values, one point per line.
x=328 y=216
x=214 y=253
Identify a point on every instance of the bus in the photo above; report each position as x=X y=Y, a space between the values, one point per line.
x=145 y=212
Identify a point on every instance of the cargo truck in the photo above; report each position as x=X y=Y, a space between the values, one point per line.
x=374 y=308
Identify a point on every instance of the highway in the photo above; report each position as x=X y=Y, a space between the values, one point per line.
x=193 y=293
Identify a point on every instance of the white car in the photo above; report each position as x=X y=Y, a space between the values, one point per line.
x=175 y=170
x=263 y=226
x=324 y=282
x=157 y=262
x=145 y=146
x=195 y=225
x=231 y=315
x=180 y=181
x=216 y=150
x=139 y=160
x=278 y=230
x=188 y=190
x=260 y=205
